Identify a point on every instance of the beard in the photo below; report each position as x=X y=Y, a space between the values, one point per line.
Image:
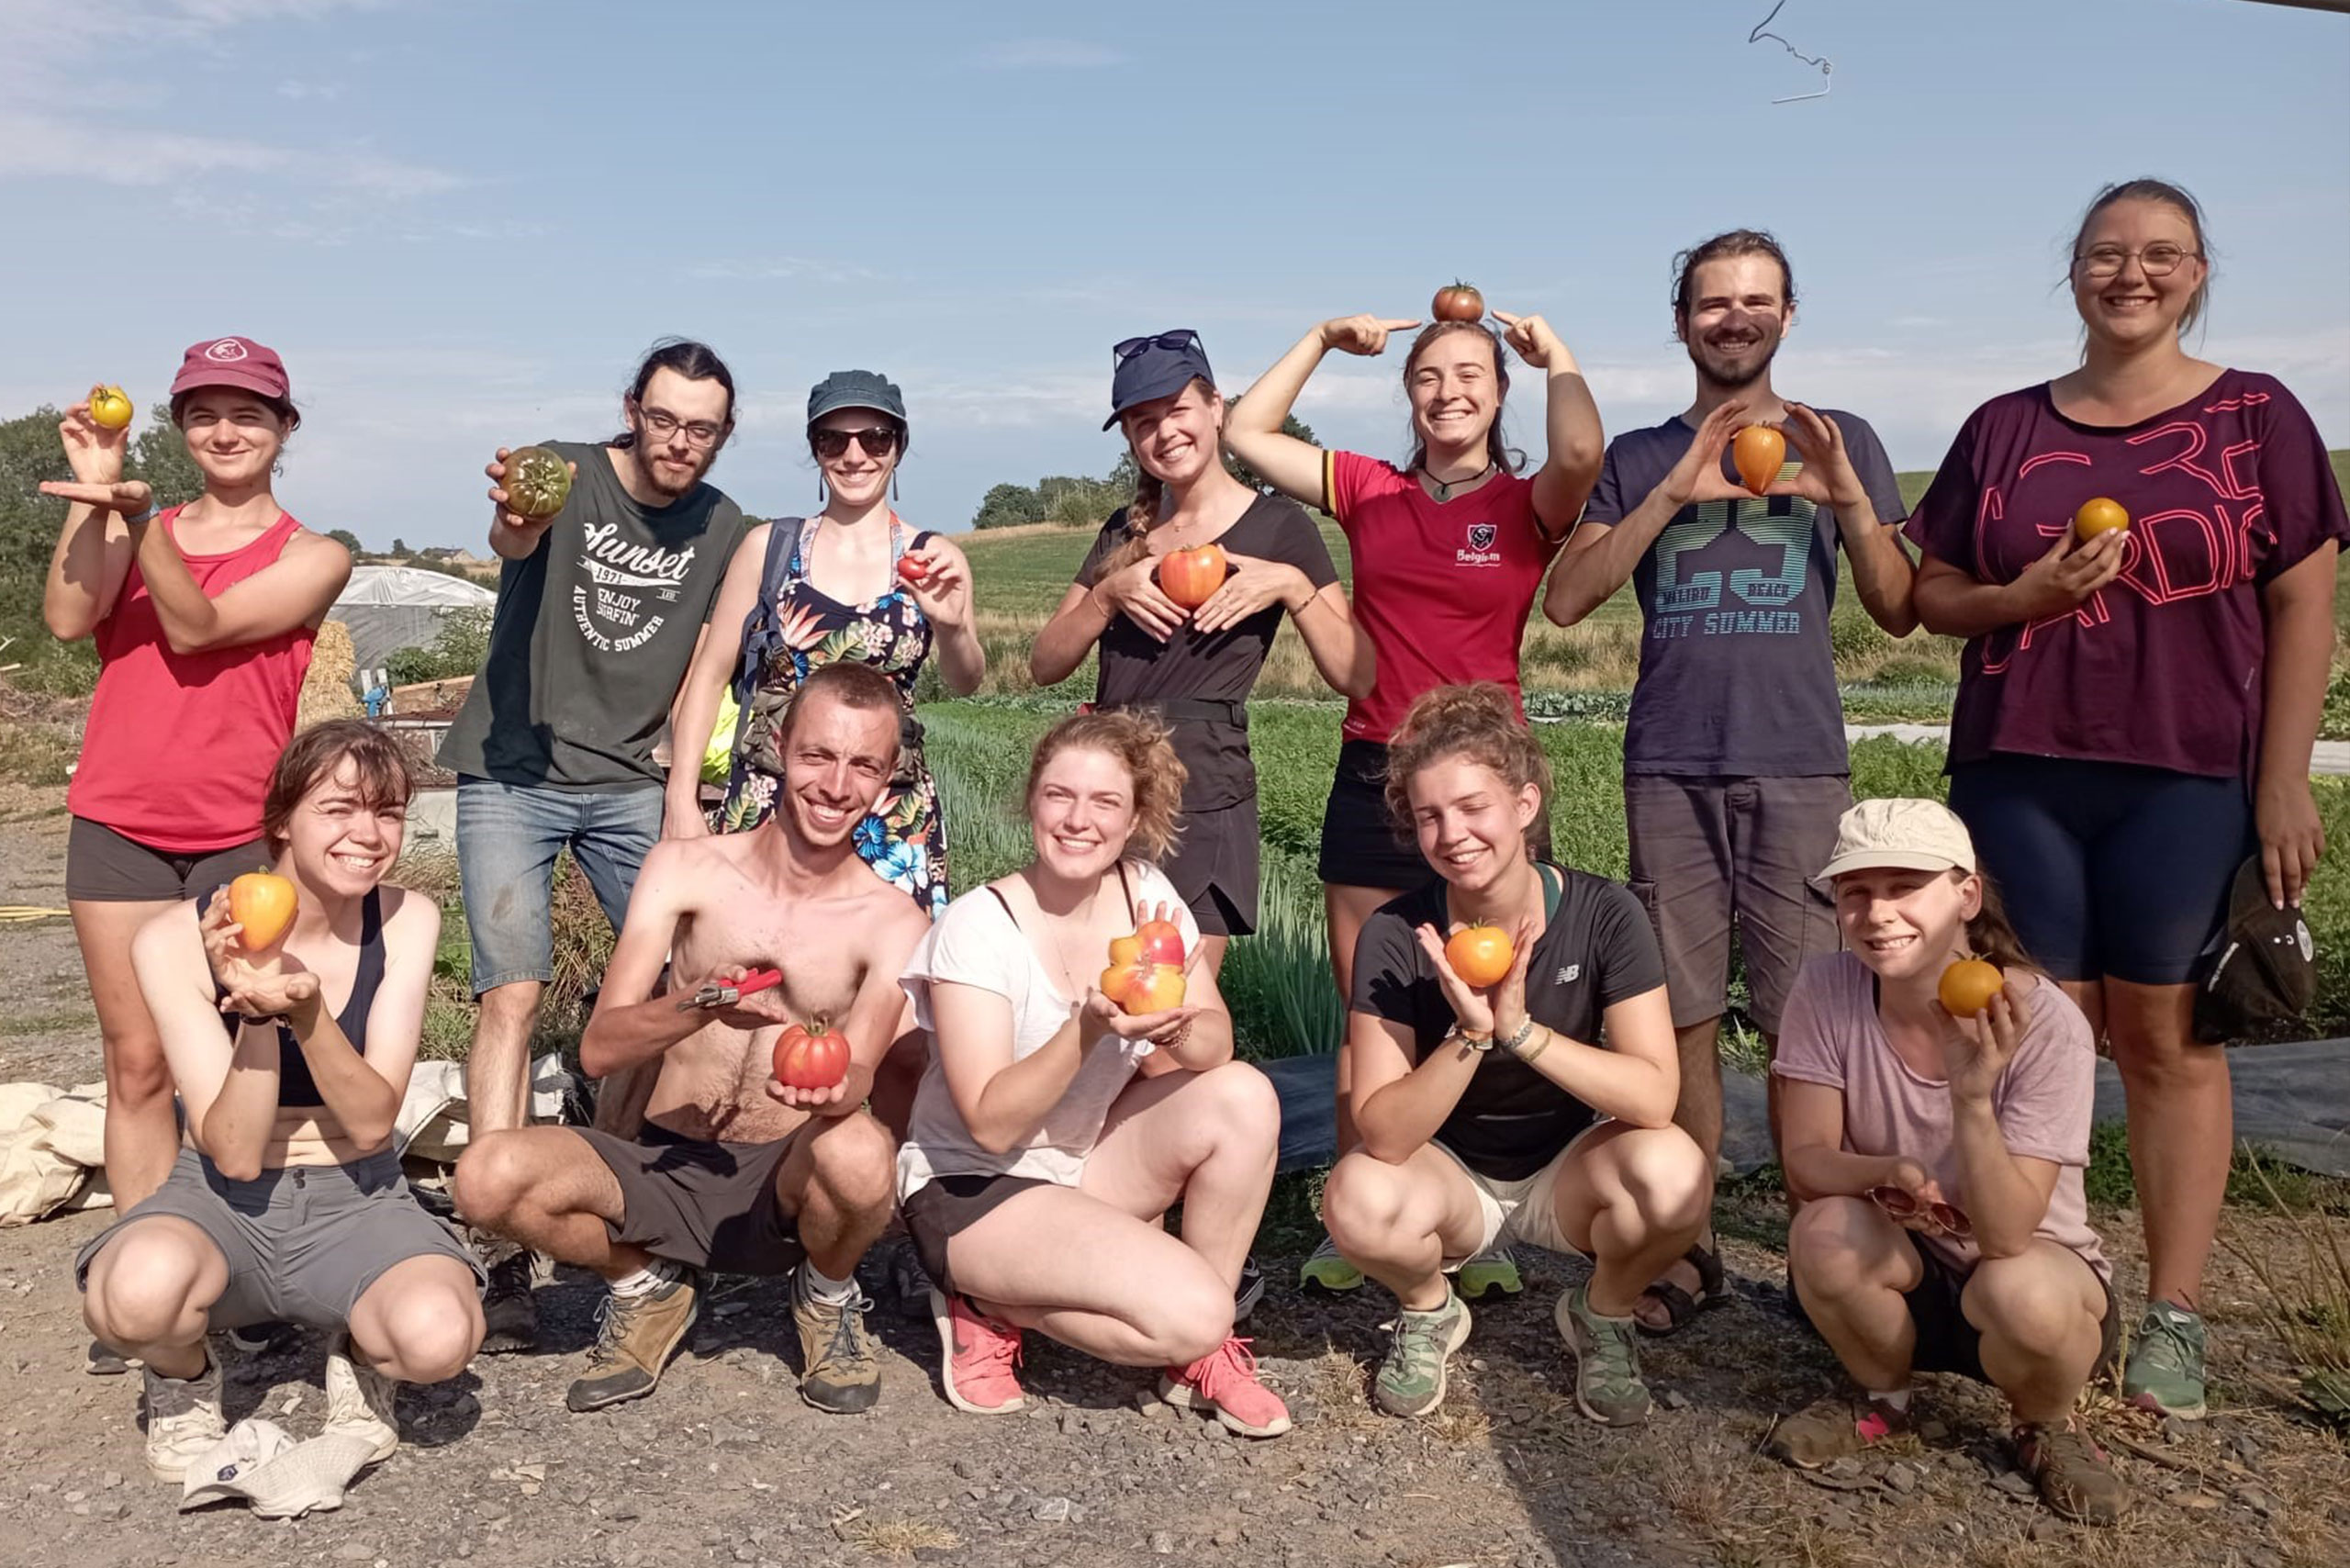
x=650 y=457
x=1732 y=369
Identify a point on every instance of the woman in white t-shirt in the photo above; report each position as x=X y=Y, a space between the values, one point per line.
x=1040 y=1155
x=1938 y=1162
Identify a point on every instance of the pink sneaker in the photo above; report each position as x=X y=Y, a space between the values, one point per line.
x=976 y=1357
x=1226 y=1385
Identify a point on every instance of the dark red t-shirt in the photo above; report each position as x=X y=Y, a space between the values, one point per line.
x=1441 y=588
x=2162 y=666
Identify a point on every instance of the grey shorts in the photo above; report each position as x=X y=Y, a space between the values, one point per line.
x=694 y=1201
x=1709 y=852
x=104 y=866
x=302 y=1243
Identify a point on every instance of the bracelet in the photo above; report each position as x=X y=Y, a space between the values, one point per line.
x=1473 y=1041
x=1539 y=1046
x=1517 y=1036
x=149 y=515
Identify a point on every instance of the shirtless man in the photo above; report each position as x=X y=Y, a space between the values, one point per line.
x=735 y=1172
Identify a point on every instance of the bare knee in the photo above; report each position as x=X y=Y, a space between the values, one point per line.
x=493 y=1174
x=1189 y=1318
x=2153 y=1049
x=2022 y=1301
x=137 y=1076
x=1246 y=1108
x=1362 y=1204
x=1828 y=1250
x=854 y=1162
x=143 y=1287
x=429 y=1332
x=1667 y=1177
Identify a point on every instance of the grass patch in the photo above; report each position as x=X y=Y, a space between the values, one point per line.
x=583 y=945
x=895 y=1536
x=40 y=753
x=65 y=1021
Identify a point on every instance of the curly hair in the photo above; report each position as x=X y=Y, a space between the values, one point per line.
x=1477 y=721
x=1142 y=744
x=315 y=755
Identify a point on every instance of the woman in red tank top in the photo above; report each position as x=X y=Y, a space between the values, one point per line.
x=203 y=617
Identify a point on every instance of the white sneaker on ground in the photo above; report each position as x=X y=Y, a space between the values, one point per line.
x=184 y=1420
x=360 y=1402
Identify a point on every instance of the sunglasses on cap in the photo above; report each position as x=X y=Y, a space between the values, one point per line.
x=877 y=441
x=1175 y=342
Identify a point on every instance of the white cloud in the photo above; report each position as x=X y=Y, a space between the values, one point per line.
x=774 y=269
x=1049 y=54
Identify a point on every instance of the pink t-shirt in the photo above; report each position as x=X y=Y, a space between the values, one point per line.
x=1440 y=587
x=1830 y=1034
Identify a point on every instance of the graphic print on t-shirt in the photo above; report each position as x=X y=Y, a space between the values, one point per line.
x=1759 y=599
x=620 y=600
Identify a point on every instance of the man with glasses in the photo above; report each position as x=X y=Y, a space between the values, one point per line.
x=1735 y=770
x=600 y=610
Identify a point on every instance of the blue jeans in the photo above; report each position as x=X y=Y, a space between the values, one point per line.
x=508 y=838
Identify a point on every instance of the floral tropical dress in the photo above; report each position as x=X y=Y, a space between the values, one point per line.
x=904 y=839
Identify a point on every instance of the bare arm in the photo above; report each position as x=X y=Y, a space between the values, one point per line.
x=1001 y=1100
x=1951 y=603
x=1398 y=1102
x=227 y=1076
x=1076 y=624
x=693 y=717
x=630 y=1023
x=1601 y=557
x=944 y=593
x=1341 y=650
x=2298 y=607
x=2007 y=1195
x=1812 y=1123
x=1881 y=572
x=1252 y=426
x=1575 y=443
x=293 y=592
x=1635 y=1077
x=93 y=549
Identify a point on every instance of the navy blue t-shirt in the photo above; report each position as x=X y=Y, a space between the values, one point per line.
x=1737 y=674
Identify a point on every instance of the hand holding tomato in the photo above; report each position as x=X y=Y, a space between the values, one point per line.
x=1253 y=584
x=1826 y=477
x=279 y=986
x=1138 y=1034
x=1536 y=341
x=1698 y=475
x=1134 y=592
x=2066 y=576
x=505 y=512
x=1484 y=1010
x=939 y=583
x=92 y=451
x=1986 y=1043
x=1361 y=334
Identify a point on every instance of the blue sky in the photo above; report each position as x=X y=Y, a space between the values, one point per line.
x=461 y=221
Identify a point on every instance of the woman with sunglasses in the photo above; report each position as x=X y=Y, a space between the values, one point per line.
x=1448 y=552
x=853 y=582
x=1194 y=669
x=2136 y=706
x=1938 y=1160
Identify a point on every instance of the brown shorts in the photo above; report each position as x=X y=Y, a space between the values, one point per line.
x=943 y=1207
x=105 y=867
x=710 y=1205
x=1711 y=851
x=1947 y=1342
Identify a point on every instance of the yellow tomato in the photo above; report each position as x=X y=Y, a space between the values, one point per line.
x=2099 y=515
x=110 y=406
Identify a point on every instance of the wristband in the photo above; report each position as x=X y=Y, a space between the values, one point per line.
x=1517 y=1036
x=1473 y=1041
x=1539 y=1046
x=149 y=515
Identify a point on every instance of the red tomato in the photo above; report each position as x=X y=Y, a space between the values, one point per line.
x=1480 y=955
x=1190 y=576
x=1162 y=942
x=911 y=569
x=1757 y=452
x=806 y=1059
x=1967 y=987
x=1159 y=987
x=1456 y=301
x=264 y=903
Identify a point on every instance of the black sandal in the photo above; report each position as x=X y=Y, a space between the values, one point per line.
x=1680 y=1307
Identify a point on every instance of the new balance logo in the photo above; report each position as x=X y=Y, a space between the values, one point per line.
x=1569 y=975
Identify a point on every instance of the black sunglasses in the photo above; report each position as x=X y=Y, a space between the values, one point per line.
x=877 y=441
x=1178 y=341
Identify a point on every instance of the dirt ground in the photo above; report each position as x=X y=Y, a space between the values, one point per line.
x=724 y=1464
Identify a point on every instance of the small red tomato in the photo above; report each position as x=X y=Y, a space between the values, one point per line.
x=810 y=1058
x=912 y=569
x=1456 y=301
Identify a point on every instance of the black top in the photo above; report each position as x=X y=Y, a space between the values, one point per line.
x=1596 y=949
x=296 y=1088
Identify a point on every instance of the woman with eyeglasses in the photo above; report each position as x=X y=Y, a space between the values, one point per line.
x=855 y=581
x=1194 y=669
x=2141 y=555
x=1449 y=552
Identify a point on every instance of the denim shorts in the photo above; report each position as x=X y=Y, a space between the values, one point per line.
x=508 y=839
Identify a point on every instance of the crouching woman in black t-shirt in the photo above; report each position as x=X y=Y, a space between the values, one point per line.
x=1489 y=1114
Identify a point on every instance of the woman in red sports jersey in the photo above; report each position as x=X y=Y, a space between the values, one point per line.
x=204 y=616
x=1449 y=552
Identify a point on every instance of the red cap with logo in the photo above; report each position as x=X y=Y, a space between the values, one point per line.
x=233 y=361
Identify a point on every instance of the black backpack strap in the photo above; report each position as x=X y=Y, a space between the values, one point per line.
x=763 y=627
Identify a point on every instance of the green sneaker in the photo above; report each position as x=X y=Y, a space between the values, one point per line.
x=1411 y=1380
x=2164 y=1373
x=1490 y=1270
x=1329 y=1273
x=1607 y=1362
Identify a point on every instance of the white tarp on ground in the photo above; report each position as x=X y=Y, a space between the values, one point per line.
x=391 y=608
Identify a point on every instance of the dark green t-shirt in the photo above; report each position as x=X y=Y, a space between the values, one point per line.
x=592 y=634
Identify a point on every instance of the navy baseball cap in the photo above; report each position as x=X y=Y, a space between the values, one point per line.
x=855 y=389
x=1156 y=367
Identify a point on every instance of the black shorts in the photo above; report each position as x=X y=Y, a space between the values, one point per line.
x=104 y=867
x=1361 y=846
x=710 y=1205
x=2106 y=868
x=1213 y=867
x=945 y=1205
x=1947 y=1342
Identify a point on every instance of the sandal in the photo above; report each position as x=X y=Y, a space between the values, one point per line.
x=1680 y=1307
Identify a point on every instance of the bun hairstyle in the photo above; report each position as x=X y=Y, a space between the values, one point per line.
x=1142 y=513
x=1141 y=745
x=1498 y=449
x=1479 y=723
x=693 y=360
x=2170 y=195
x=317 y=753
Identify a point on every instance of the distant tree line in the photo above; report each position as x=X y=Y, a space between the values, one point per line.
x=1075 y=499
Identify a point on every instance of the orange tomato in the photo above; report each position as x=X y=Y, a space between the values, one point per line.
x=263 y=902
x=1190 y=576
x=1757 y=452
x=110 y=406
x=1480 y=955
x=1967 y=987
x=2099 y=515
x=1118 y=979
x=1158 y=989
x=1125 y=952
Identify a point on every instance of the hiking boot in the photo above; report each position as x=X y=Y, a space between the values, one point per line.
x=1327 y=1273
x=838 y=1371
x=1492 y=1270
x=1224 y=1385
x=2164 y=1373
x=1832 y=1429
x=360 y=1402
x=102 y=1360
x=977 y=1355
x=509 y=1314
x=1607 y=1361
x=183 y=1420
x=2073 y=1474
x=636 y=1335
x=1249 y=1291
x=1411 y=1380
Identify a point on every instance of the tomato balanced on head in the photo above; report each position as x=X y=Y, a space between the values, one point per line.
x=810 y=1058
x=1458 y=302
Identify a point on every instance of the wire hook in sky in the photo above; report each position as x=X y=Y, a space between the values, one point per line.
x=1827 y=71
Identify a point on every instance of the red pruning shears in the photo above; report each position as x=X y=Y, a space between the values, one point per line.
x=717 y=995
